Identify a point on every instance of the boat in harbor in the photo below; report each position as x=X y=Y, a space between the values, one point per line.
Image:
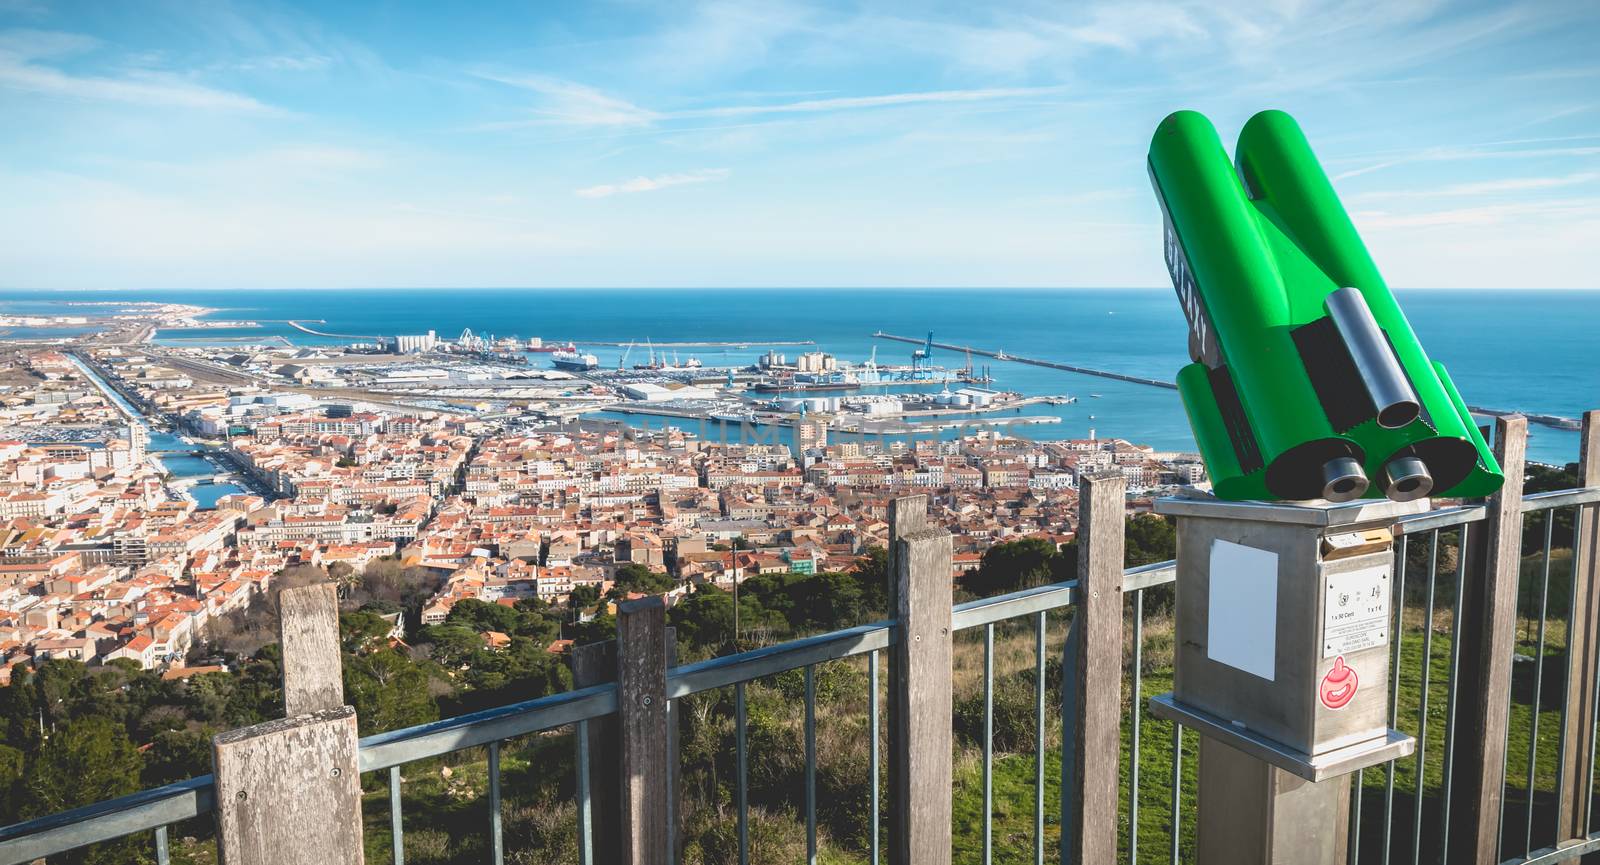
x=570 y=359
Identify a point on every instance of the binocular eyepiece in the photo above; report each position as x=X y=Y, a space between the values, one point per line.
x=1405 y=478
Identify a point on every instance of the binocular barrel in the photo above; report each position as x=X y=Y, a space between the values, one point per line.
x=1380 y=371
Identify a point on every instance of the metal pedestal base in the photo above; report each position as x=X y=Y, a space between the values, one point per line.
x=1253 y=813
x=1337 y=763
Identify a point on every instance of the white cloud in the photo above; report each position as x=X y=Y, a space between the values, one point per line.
x=885 y=100
x=1488 y=187
x=573 y=103
x=1450 y=154
x=1520 y=213
x=580 y=105
x=650 y=184
x=19 y=72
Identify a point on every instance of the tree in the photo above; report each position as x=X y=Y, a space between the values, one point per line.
x=704 y=619
x=480 y=616
x=583 y=596
x=634 y=577
x=872 y=574
x=82 y=762
x=388 y=691
x=12 y=764
x=1016 y=565
x=362 y=630
x=177 y=755
x=1150 y=539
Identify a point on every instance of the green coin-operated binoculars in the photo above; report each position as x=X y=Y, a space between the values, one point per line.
x=1307 y=385
x=1307 y=381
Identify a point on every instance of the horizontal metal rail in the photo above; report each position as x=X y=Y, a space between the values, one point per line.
x=1566 y=853
x=771 y=660
x=1560 y=499
x=106 y=821
x=163 y=806
x=490 y=725
x=1441 y=519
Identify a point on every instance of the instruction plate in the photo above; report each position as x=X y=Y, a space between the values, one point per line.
x=1355 y=613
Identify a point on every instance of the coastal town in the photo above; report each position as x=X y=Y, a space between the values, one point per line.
x=489 y=479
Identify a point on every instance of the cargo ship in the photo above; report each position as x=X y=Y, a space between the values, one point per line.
x=570 y=359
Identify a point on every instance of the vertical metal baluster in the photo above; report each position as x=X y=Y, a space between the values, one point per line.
x=1538 y=681
x=585 y=799
x=1588 y=792
x=872 y=749
x=811 y=765
x=1069 y=718
x=1450 y=694
x=1566 y=710
x=1588 y=787
x=162 y=856
x=1133 y=755
x=1038 y=742
x=397 y=832
x=496 y=850
x=1355 y=819
x=741 y=755
x=1394 y=693
x=1177 y=790
x=988 y=744
x=1422 y=708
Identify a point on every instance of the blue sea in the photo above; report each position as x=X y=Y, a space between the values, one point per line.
x=1529 y=350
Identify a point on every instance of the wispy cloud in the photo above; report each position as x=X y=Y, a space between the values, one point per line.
x=576 y=104
x=572 y=103
x=1487 y=188
x=1482 y=215
x=885 y=100
x=650 y=184
x=21 y=70
x=1448 y=154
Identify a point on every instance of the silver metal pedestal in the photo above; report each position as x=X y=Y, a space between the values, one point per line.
x=1284 y=613
x=1253 y=813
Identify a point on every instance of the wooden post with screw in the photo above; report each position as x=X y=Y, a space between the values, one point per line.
x=289 y=791
x=920 y=687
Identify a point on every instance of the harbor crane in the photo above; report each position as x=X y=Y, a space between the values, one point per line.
x=921 y=356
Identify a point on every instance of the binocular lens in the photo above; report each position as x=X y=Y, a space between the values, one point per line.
x=1406 y=478
x=1343 y=479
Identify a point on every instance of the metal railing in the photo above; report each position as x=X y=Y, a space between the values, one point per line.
x=152 y=811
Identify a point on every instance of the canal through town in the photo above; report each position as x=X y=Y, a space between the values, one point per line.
x=175 y=454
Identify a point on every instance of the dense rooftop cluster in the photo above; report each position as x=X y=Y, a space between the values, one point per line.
x=104 y=558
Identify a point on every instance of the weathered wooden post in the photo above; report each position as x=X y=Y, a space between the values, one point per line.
x=920 y=681
x=1092 y=740
x=289 y=791
x=1487 y=630
x=645 y=815
x=1583 y=647
x=596 y=664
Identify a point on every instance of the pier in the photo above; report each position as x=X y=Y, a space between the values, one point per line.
x=300 y=326
x=741 y=343
x=1549 y=420
x=1001 y=355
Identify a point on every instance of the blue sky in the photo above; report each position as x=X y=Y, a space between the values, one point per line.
x=217 y=144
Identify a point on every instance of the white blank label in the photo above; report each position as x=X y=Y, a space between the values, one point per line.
x=1243 y=627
